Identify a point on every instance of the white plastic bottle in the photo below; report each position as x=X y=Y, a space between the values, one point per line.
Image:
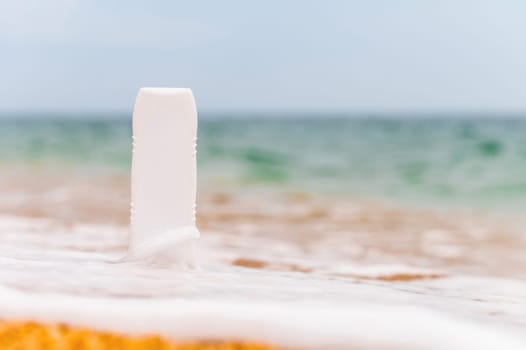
x=163 y=180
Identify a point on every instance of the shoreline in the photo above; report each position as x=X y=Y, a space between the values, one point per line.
x=378 y=232
x=60 y=180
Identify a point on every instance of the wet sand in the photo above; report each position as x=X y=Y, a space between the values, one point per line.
x=47 y=337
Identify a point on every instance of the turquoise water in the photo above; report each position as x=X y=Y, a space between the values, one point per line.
x=468 y=161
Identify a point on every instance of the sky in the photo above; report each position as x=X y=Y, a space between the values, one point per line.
x=331 y=55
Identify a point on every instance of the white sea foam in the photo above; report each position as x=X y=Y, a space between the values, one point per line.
x=74 y=275
x=296 y=325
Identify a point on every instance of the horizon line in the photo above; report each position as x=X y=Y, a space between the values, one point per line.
x=270 y=113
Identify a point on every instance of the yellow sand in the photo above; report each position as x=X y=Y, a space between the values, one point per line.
x=30 y=335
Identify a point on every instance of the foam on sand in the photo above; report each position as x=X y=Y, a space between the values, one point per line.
x=69 y=275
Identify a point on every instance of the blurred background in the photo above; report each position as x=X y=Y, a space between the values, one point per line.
x=408 y=105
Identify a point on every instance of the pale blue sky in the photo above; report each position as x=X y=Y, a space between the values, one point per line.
x=376 y=55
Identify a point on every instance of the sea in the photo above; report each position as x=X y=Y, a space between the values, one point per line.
x=432 y=160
